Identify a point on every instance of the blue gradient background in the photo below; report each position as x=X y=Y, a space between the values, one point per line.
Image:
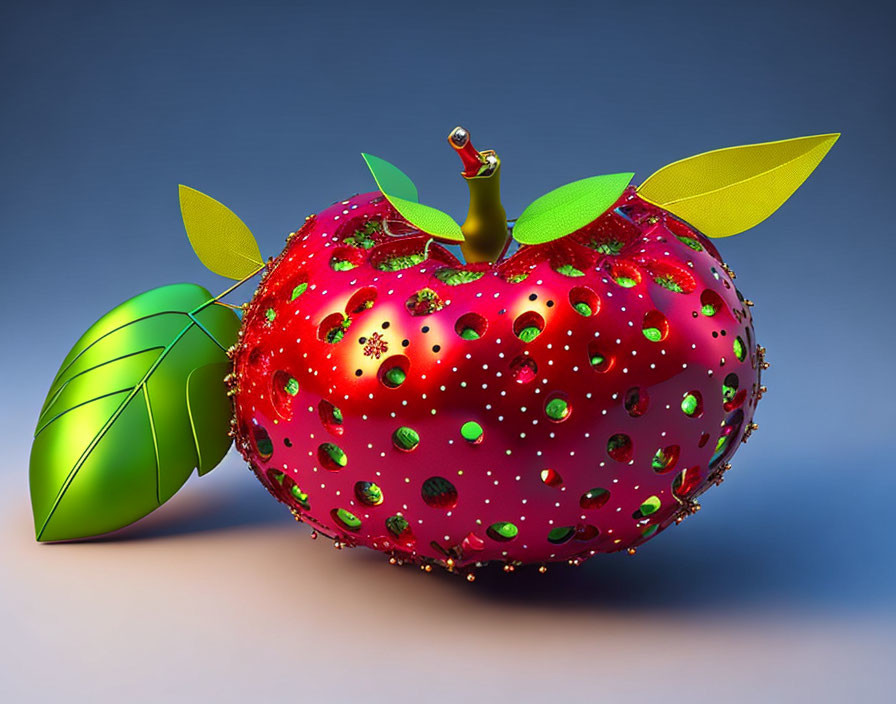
x=784 y=583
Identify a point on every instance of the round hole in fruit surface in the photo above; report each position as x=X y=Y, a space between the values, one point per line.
x=692 y=404
x=551 y=478
x=655 y=326
x=502 y=531
x=730 y=428
x=331 y=457
x=672 y=277
x=710 y=303
x=620 y=447
x=472 y=432
x=599 y=359
x=299 y=497
x=368 y=493
x=262 y=442
x=665 y=459
x=332 y=328
x=729 y=388
x=561 y=534
x=361 y=301
x=584 y=301
x=424 y=302
x=594 y=499
x=284 y=388
x=405 y=439
x=330 y=417
x=557 y=407
x=528 y=326
x=649 y=506
x=346 y=519
x=740 y=349
x=400 y=529
x=686 y=482
x=471 y=326
x=438 y=492
x=394 y=371
x=523 y=369
x=636 y=402
x=624 y=274
x=345 y=259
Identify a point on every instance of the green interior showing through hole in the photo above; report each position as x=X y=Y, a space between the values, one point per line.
x=557 y=409
x=529 y=333
x=395 y=376
x=471 y=431
x=406 y=438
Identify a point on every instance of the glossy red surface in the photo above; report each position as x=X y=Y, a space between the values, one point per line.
x=634 y=327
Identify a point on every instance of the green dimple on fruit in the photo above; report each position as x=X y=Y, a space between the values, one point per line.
x=278 y=476
x=692 y=243
x=659 y=460
x=292 y=387
x=504 y=530
x=395 y=376
x=298 y=291
x=649 y=506
x=607 y=246
x=569 y=270
x=300 y=496
x=625 y=281
x=740 y=350
x=270 y=314
x=708 y=310
x=369 y=493
x=406 y=438
x=597 y=360
x=471 y=431
x=403 y=262
x=335 y=453
x=348 y=519
x=529 y=333
x=583 y=309
x=557 y=409
x=456 y=277
x=337 y=415
x=669 y=283
x=653 y=334
x=561 y=534
x=689 y=404
x=469 y=334
x=341 y=264
x=396 y=525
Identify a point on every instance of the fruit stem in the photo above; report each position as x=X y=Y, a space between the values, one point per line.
x=485 y=229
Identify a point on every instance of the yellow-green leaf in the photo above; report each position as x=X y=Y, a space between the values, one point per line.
x=220 y=239
x=401 y=193
x=727 y=191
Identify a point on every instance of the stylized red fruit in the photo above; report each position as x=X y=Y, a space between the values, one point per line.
x=568 y=399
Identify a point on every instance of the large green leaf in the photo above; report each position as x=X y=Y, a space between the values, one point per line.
x=568 y=208
x=138 y=403
x=401 y=192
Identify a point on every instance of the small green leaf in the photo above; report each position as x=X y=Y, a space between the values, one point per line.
x=220 y=239
x=137 y=404
x=401 y=192
x=569 y=208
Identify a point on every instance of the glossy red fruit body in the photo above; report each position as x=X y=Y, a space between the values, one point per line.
x=569 y=400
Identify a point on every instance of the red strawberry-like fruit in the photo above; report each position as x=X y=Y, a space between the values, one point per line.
x=569 y=399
